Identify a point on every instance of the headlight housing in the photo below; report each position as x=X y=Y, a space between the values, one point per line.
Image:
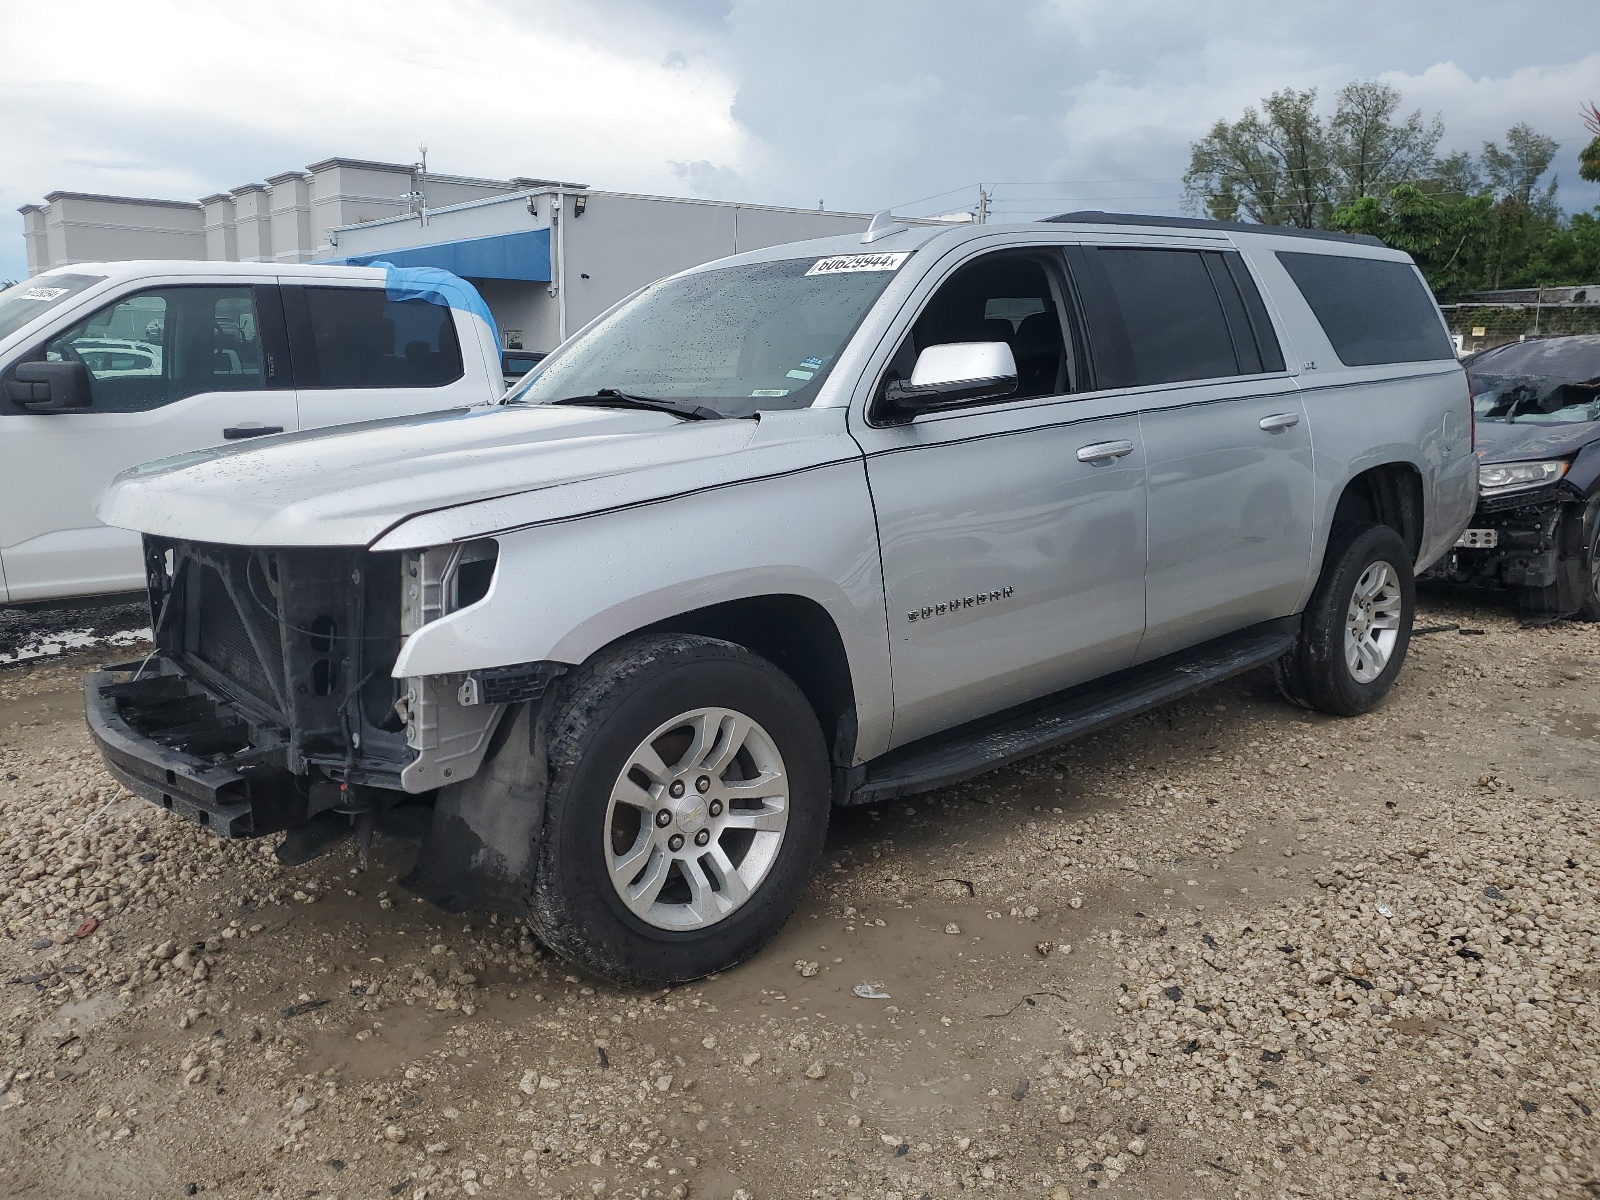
x=1497 y=479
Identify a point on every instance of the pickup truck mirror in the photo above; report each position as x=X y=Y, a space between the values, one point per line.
x=954 y=374
x=47 y=387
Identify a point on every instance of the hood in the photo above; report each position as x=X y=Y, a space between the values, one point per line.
x=1526 y=441
x=348 y=485
x=1576 y=357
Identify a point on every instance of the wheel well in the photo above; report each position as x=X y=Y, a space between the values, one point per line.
x=1388 y=495
x=798 y=637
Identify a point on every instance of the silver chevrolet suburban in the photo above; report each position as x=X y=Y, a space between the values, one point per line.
x=824 y=524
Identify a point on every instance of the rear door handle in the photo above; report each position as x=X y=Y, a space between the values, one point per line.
x=234 y=432
x=1278 y=422
x=1104 y=451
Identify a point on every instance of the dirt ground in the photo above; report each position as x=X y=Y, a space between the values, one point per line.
x=1231 y=948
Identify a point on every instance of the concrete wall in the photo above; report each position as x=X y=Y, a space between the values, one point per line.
x=75 y=227
x=291 y=217
x=525 y=306
x=252 y=222
x=222 y=235
x=623 y=242
x=619 y=244
x=288 y=220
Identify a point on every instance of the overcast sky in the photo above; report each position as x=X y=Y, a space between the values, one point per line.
x=863 y=104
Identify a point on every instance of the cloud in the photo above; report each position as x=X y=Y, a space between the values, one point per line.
x=1054 y=104
x=705 y=179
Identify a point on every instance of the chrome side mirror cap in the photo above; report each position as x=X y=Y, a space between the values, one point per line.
x=951 y=375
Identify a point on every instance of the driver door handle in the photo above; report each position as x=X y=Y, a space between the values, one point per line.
x=234 y=432
x=1278 y=422
x=1103 y=451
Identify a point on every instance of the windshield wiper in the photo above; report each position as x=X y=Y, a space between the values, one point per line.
x=612 y=398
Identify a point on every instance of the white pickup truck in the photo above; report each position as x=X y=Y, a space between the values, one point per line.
x=104 y=366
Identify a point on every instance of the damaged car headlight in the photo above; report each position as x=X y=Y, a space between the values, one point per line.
x=1496 y=479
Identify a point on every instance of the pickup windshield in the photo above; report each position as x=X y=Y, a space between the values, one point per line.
x=22 y=302
x=735 y=340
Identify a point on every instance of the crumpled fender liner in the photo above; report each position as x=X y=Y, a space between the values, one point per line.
x=480 y=851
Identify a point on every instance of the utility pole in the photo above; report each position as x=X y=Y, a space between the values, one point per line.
x=422 y=179
x=983 y=206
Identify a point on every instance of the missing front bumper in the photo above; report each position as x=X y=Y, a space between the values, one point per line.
x=167 y=739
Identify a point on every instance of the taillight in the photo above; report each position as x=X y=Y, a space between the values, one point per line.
x=1472 y=412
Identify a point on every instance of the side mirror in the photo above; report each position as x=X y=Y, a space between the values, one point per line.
x=955 y=374
x=47 y=387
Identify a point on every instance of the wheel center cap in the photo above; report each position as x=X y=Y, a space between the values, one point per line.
x=692 y=814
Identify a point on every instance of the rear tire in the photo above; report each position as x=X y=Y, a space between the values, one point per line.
x=1355 y=631
x=655 y=865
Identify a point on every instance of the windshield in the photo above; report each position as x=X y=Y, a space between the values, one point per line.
x=22 y=302
x=1535 y=399
x=736 y=340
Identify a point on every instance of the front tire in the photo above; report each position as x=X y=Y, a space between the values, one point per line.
x=687 y=809
x=1589 y=610
x=1354 y=633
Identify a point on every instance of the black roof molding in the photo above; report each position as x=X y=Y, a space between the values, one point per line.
x=1094 y=217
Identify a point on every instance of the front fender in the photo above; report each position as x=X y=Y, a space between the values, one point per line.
x=561 y=591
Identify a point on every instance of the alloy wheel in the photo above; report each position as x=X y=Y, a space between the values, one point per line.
x=1372 y=624
x=696 y=818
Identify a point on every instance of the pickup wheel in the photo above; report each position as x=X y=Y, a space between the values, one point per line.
x=1355 y=631
x=687 y=807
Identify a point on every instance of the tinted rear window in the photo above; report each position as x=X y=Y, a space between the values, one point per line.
x=1174 y=320
x=362 y=339
x=1373 y=310
x=1168 y=316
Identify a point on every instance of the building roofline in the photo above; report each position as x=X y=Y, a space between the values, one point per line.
x=522 y=196
x=52 y=197
x=285 y=177
x=246 y=188
x=477 y=180
x=365 y=164
x=216 y=198
x=525 y=183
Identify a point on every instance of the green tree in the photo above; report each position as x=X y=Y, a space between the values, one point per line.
x=1524 y=214
x=1589 y=156
x=1370 y=151
x=1569 y=255
x=1287 y=166
x=1446 y=234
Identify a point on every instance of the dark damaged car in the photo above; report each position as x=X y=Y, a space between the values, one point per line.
x=1537 y=528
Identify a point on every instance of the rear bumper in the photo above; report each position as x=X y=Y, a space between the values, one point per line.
x=167 y=739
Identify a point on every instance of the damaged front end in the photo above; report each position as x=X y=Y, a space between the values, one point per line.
x=269 y=700
x=1533 y=543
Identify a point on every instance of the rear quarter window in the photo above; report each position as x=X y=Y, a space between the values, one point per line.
x=1374 y=311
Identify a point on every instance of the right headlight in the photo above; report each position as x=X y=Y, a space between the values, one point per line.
x=1496 y=479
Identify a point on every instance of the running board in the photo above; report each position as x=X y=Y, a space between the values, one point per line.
x=970 y=750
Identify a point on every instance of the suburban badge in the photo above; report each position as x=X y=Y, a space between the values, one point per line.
x=928 y=611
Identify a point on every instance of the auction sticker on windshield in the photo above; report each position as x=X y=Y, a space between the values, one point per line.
x=841 y=264
x=44 y=293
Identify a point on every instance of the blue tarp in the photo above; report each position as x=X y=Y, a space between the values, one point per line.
x=523 y=256
x=436 y=287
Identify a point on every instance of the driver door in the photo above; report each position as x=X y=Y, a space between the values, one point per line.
x=171 y=369
x=1013 y=555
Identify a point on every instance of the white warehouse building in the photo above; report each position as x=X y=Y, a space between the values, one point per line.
x=547 y=256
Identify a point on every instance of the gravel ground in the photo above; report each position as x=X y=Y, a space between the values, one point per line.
x=1228 y=949
x=52 y=632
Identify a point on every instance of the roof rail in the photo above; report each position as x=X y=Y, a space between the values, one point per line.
x=1095 y=217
